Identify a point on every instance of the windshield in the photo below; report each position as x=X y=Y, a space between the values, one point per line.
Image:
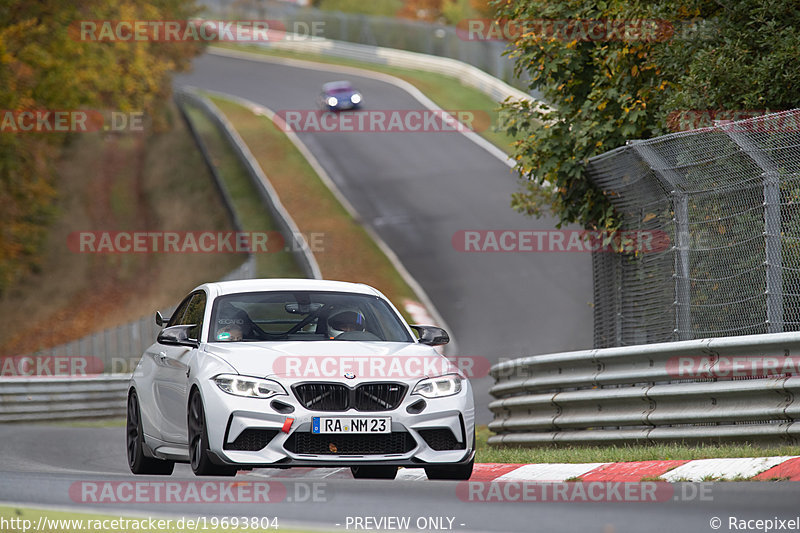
x=304 y=316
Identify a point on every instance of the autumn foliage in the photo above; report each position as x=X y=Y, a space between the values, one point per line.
x=43 y=66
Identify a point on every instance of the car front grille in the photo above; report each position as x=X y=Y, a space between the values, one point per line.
x=323 y=396
x=369 y=397
x=379 y=396
x=251 y=440
x=441 y=439
x=398 y=442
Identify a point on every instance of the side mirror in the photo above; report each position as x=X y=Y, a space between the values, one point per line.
x=178 y=336
x=431 y=335
x=161 y=320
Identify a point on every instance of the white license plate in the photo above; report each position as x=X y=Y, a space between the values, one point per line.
x=346 y=424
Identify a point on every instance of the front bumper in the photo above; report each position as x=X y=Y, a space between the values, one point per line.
x=232 y=421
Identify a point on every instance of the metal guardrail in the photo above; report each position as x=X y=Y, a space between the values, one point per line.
x=743 y=388
x=43 y=399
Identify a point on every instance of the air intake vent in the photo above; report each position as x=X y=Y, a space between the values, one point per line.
x=441 y=439
x=251 y=440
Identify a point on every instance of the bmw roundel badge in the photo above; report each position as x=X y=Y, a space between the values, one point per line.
x=349 y=375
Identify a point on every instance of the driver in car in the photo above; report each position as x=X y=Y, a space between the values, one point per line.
x=231 y=333
x=345 y=321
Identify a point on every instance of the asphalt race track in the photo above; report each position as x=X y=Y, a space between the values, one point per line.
x=416 y=190
x=50 y=465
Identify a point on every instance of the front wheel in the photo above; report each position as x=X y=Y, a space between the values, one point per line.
x=138 y=462
x=454 y=472
x=374 y=472
x=198 y=442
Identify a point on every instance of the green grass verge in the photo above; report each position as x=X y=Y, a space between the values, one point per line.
x=447 y=92
x=613 y=454
x=381 y=8
x=244 y=196
x=23 y=519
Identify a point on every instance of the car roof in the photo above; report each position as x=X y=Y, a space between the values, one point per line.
x=337 y=86
x=290 y=284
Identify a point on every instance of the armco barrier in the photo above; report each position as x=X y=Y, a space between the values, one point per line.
x=48 y=399
x=743 y=388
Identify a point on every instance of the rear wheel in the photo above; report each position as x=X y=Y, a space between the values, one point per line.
x=198 y=442
x=138 y=462
x=374 y=472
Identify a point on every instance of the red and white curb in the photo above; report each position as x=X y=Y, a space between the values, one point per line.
x=785 y=468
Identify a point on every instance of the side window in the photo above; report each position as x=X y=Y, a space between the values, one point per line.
x=194 y=314
x=177 y=315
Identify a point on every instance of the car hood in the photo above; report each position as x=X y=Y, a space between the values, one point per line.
x=354 y=361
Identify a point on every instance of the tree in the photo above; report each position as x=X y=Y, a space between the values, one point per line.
x=44 y=65
x=607 y=87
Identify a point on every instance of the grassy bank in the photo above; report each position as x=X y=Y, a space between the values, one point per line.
x=247 y=204
x=117 y=182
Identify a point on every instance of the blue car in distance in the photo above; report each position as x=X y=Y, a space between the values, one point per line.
x=339 y=95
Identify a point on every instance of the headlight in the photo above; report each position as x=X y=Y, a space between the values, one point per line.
x=439 y=387
x=355 y=98
x=248 y=386
x=332 y=101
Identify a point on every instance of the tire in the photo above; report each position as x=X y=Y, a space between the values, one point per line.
x=198 y=442
x=374 y=472
x=138 y=462
x=454 y=472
